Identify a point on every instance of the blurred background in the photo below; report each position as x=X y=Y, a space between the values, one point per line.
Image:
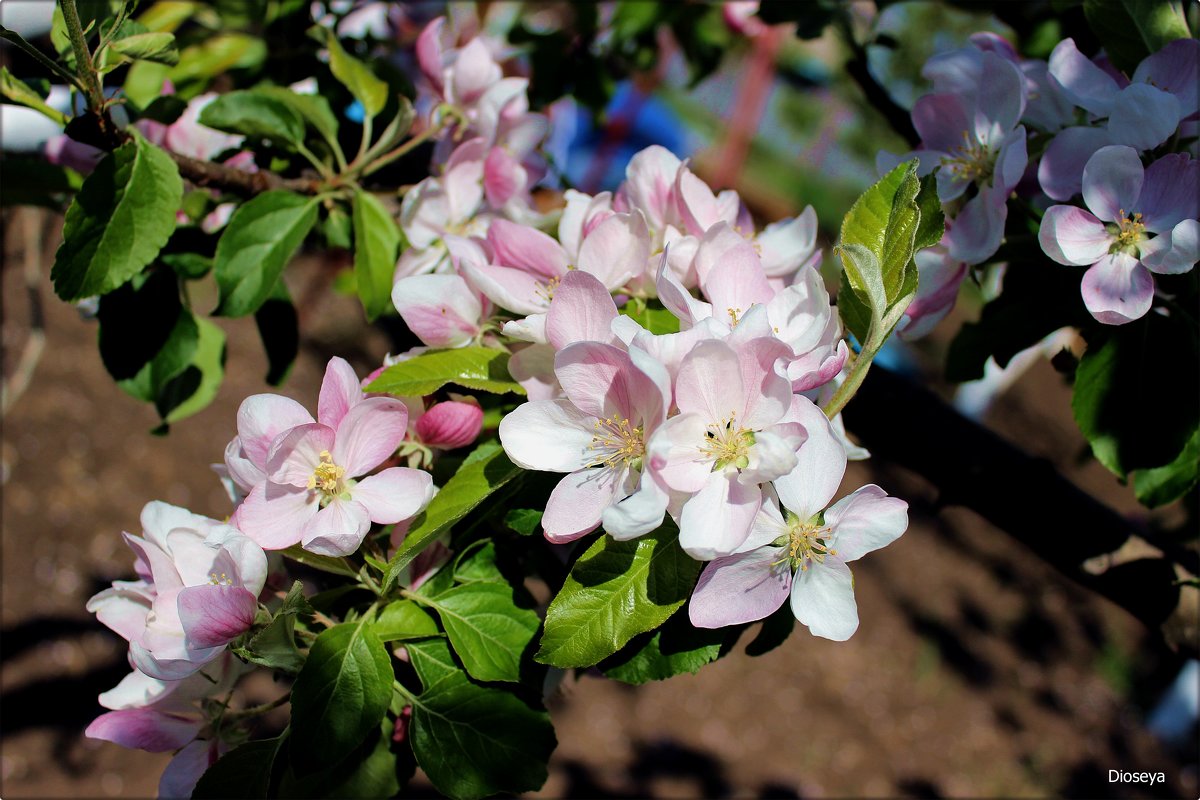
x=978 y=671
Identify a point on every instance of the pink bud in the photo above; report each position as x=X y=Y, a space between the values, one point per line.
x=450 y=425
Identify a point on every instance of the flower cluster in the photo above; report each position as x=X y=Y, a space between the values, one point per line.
x=1098 y=134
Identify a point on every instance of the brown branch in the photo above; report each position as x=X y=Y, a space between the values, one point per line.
x=246 y=184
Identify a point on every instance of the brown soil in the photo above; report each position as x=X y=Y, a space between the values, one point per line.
x=978 y=671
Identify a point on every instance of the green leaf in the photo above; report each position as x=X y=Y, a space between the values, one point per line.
x=339 y=696
x=334 y=566
x=484 y=369
x=376 y=242
x=1157 y=487
x=252 y=113
x=932 y=224
x=274 y=646
x=355 y=75
x=472 y=484
x=20 y=92
x=256 y=245
x=369 y=772
x=489 y=632
x=860 y=268
x=473 y=741
x=244 y=771
x=166 y=109
x=615 y=591
x=885 y=220
x=675 y=648
x=653 y=317
x=524 y=521
x=403 y=620
x=170 y=360
x=279 y=328
x=312 y=107
x=477 y=563
x=137 y=320
x=37 y=55
x=214 y=56
x=1134 y=402
x=118 y=222
x=193 y=389
x=150 y=46
x=1130 y=30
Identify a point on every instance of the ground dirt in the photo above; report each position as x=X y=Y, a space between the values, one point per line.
x=978 y=671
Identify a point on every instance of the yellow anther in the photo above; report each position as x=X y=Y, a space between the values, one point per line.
x=326 y=478
x=617 y=442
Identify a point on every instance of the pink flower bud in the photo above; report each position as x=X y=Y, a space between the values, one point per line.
x=450 y=425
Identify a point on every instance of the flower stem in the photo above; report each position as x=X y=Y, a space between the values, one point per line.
x=84 y=67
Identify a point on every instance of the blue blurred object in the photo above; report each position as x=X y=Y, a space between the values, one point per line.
x=355 y=112
x=1174 y=718
x=593 y=158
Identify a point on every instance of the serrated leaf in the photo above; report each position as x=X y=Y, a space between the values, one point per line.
x=487 y=629
x=484 y=369
x=339 y=696
x=193 y=389
x=473 y=741
x=355 y=75
x=245 y=771
x=615 y=591
x=376 y=243
x=932 y=224
x=151 y=46
x=403 y=620
x=675 y=648
x=256 y=114
x=274 y=646
x=471 y=485
x=524 y=521
x=256 y=245
x=121 y=218
x=884 y=220
x=1162 y=485
x=477 y=563
x=369 y=772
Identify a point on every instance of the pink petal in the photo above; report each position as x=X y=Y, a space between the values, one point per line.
x=429 y=52
x=450 y=425
x=514 y=289
x=768 y=394
x=1060 y=172
x=600 y=379
x=548 y=435
x=122 y=611
x=526 y=248
x=617 y=250
x=1072 y=236
x=441 y=310
x=337 y=529
x=370 y=434
x=866 y=520
x=144 y=729
x=822 y=463
x=1001 y=92
x=582 y=310
x=274 y=515
x=213 y=616
x=740 y=588
x=1143 y=116
x=675 y=455
x=941 y=120
x=261 y=418
x=1174 y=69
x=710 y=382
x=1112 y=182
x=1169 y=192
x=180 y=776
x=677 y=299
x=503 y=177
x=394 y=494
x=731 y=274
x=577 y=503
x=1117 y=289
x=297 y=453
x=533 y=368
x=1086 y=84
x=1173 y=252
x=649 y=184
x=698 y=206
x=340 y=391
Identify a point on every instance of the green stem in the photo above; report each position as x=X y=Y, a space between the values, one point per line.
x=849 y=387
x=365 y=144
x=84 y=66
x=320 y=165
x=451 y=114
x=255 y=711
x=40 y=57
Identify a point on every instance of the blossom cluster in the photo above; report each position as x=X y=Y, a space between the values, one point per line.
x=996 y=124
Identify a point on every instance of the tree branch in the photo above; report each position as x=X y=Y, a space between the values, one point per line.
x=247 y=184
x=1024 y=496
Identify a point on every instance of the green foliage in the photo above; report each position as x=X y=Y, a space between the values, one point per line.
x=312 y=107
x=484 y=369
x=472 y=740
x=274 y=646
x=355 y=75
x=403 y=620
x=279 y=328
x=121 y=218
x=245 y=771
x=259 y=240
x=1130 y=30
x=148 y=46
x=885 y=220
x=368 y=772
x=197 y=385
x=524 y=521
x=1162 y=485
x=487 y=629
x=376 y=244
x=675 y=648
x=653 y=317
x=22 y=93
x=1133 y=401
x=340 y=695
x=484 y=471
x=615 y=591
x=255 y=114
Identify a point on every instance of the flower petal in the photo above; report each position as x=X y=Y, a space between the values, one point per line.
x=144 y=729
x=337 y=529
x=740 y=588
x=274 y=515
x=1169 y=192
x=548 y=435
x=582 y=310
x=1112 y=182
x=297 y=453
x=717 y=519
x=1072 y=236
x=866 y=520
x=1060 y=172
x=340 y=390
x=823 y=599
x=369 y=434
x=1117 y=289
x=1084 y=83
x=1143 y=116
x=394 y=494
x=1173 y=252
x=617 y=250
x=261 y=418
x=639 y=513
x=214 y=615
x=527 y=249
x=577 y=503
x=441 y=310
x=808 y=488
